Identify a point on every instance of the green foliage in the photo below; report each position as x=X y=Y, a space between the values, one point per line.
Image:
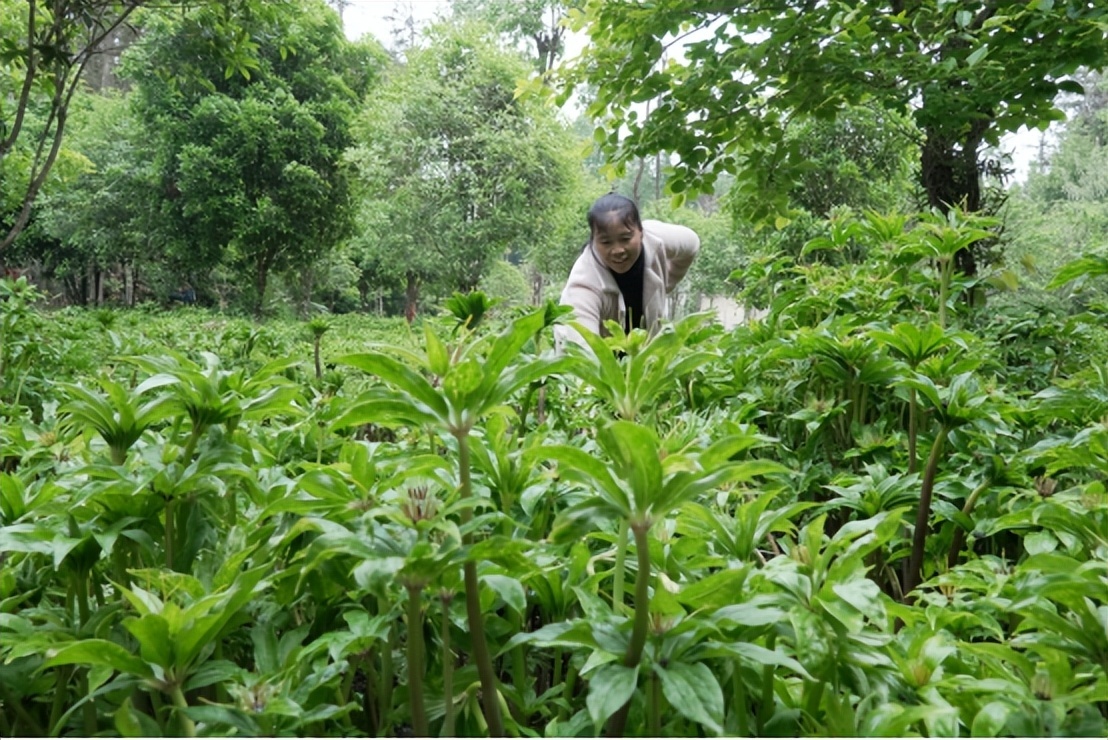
x=747 y=76
x=1059 y=214
x=703 y=533
x=46 y=47
x=456 y=170
x=249 y=153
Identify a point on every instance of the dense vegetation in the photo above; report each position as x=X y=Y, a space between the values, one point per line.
x=865 y=514
x=878 y=509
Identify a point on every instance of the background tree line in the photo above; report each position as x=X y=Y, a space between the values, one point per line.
x=248 y=153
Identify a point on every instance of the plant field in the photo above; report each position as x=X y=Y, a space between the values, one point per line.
x=875 y=512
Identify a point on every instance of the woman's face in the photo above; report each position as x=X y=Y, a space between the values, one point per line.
x=617 y=244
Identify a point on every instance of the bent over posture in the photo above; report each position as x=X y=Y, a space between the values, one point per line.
x=625 y=270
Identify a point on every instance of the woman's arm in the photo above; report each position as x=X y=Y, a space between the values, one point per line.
x=585 y=302
x=681 y=245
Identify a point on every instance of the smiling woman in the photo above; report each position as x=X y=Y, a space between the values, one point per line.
x=625 y=270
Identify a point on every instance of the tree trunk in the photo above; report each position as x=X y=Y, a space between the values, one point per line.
x=411 y=297
x=951 y=177
x=128 y=284
x=260 y=280
x=538 y=284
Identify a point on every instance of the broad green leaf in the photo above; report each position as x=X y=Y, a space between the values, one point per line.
x=694 y=692
x=1088 y=266
x=1037 y=543
x=716 y=590
x=155 y=642
x=864 y=595
x=130 y=722
x=213 y=672
x=610 y=687
x=401 y=377
x=750 y=614
x=100 y=652
x=633 y=450
x=509 y=589
x=990 y=720
x=438 y=359
x=757 y=656
x=221 y=716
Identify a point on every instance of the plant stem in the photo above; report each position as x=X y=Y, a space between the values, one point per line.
x=384 y=696
x=641 y=619
x=31 y=726
x=571 y=683
x=369 y=708
x=738 y=699
x=944 y=288
x=447 y=669
x=473 y=606
x=642 y=596
x=190 y=445
x=959 y=540
x=620 y=567
x=170 y=510
x=519 y=662
x=188 y=729
x=61 y=694
x=913 y=411
x=923 y=515
x=766 y=708
x=88 y=709
x=80 y=592
x=654 y=723
x=415 y=661
x=813 y=691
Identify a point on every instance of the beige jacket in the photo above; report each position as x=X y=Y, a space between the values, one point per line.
x=591 y=290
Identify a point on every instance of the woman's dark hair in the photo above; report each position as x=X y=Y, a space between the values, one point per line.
x=622 y=208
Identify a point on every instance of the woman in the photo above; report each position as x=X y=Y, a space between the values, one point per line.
x=625 y=270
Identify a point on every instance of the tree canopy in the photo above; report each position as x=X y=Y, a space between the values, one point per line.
x=458 y=171
x=749 y=71
x=46 y=47
x=250 y=155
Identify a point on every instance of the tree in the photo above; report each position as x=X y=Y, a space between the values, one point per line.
x=250 y=152
x=457 y=171
x=966 y=72
x=1061 y=212
x=537 y=21
x=100 y=218
x=47 y=45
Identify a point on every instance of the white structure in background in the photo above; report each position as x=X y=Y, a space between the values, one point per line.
x=728 y=312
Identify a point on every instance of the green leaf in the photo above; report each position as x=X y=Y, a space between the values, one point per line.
x=217 y=716
x=1088 y=266
x=694 y=692
x=750 y=614
x=1037 y=543
x=96 y=652
x=978 y=54
x=463 y=379
x=714 y=591
x=509 y=589
x=864 y=595
x=132 y=723
x=438 y=359
x=610 y=688
x=990 y=720
x=155 y=643
x=633 y=450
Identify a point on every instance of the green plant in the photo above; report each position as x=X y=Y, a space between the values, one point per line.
x=470 y=381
